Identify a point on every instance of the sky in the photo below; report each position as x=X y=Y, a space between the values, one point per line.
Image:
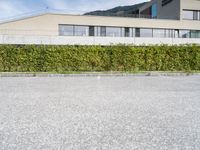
x=15 y=8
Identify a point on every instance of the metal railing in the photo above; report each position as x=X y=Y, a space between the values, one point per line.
x=125 y=15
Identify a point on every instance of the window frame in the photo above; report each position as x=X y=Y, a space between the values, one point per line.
x=195 y=14
x=150 y=29
x=65 y=25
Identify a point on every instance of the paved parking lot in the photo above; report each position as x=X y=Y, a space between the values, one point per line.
x=100 y=113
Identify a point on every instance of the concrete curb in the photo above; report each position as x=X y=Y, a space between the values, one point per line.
x=98 y=74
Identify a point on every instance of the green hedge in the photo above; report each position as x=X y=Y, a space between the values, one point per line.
x=42 y=58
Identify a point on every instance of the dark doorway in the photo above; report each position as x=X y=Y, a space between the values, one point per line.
x=91 y=30
x=127 y=32
x=137 y=32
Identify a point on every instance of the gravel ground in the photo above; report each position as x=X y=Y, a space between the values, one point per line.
x=100 y=113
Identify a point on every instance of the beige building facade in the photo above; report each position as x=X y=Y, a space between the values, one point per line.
x=173 y=19
x=171 y=9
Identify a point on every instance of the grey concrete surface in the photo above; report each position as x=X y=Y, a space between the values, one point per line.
x=99 y=74
x=100 y=113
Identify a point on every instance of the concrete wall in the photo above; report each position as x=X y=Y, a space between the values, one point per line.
x=47 y=24
x=67 y=40
x=174 y=9
x=190 y=4
x=169 y=11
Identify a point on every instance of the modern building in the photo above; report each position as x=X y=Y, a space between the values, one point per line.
x=172 y=22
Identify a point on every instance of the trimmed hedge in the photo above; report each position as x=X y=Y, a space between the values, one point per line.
x=43 y=58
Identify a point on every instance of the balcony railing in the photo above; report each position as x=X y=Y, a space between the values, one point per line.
x=125 y=15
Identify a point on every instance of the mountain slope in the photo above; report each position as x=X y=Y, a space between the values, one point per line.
x=118 y=11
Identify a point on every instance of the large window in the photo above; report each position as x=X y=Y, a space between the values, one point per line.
x=191 y=14
x=132 y=32
x=127 y=32
x=102 y=31
x=199 y=14
x=184 y=33
x=81 y=30
x=169 y=33
x=137 y=32
x=176 y=33
x=66 y=30
x=113 y=31
x=122 y=34
x=195 y=13
x=198 y=34
x=146 y=33
x=159 y=33
x=195 y=34
x=187 y=14
x=91 y=31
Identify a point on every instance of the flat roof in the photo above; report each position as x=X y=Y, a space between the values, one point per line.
x=23 y=17
x=63 y=18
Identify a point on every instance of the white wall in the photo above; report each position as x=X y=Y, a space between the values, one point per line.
x=48 y=24
x=190 y=4
x=71 y=40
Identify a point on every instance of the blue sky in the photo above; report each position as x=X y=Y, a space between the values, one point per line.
x=9 y=8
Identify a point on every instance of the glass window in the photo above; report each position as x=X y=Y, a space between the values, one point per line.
x=96 y=31
x=76 y=30
x=199 y=15
x=184 y=33
x=198 y=34
x=132 y=32
x=195 y=17
x=159 y=33
x=176 y=33
x=122 y=32
x=113 y=31
x=81 y=30
x=187 y=14
x=102 y=31
x=91 y=31
x=146 y=32
x=66 y=30
x=169 y=33
x=154 y=11
x=191 y=14
x=137 y=32
x=127 y=32
x=195 y=34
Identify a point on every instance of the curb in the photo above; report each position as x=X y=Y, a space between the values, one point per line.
x=97 y=74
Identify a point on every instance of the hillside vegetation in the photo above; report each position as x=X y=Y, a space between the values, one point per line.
x=118 y=11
